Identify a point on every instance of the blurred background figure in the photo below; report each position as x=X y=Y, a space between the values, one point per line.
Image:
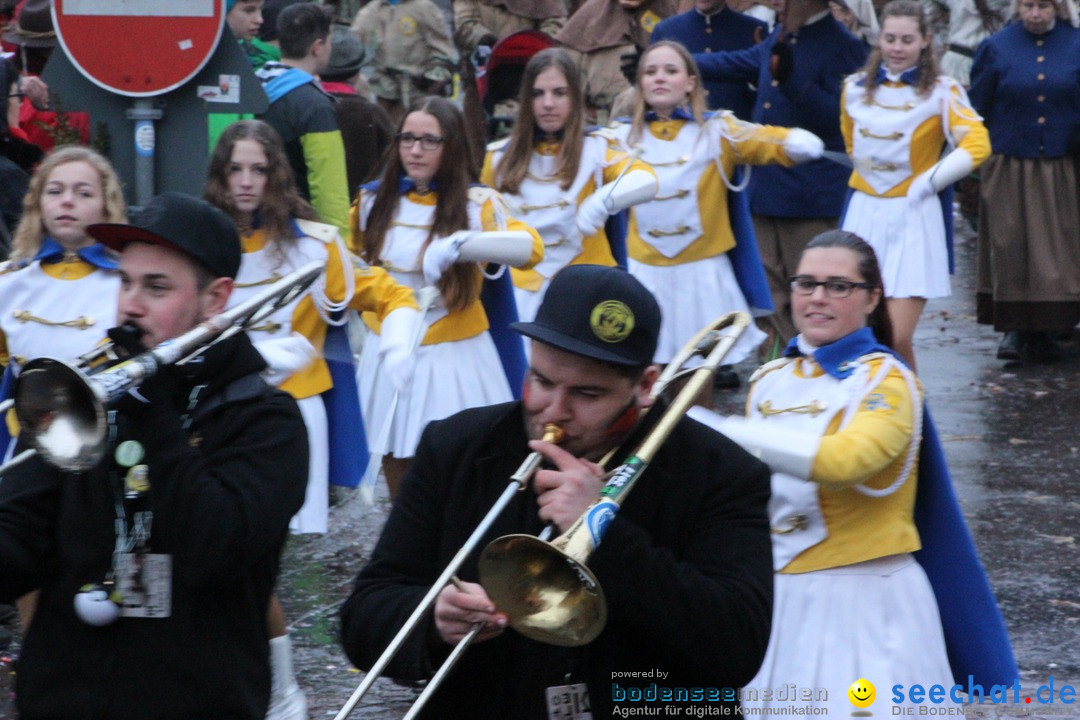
x=597 y=37
x=366 y=129
x=482 y=23
x=408 y=46
x=712 y=27
x=858 y=16
x=1026 y=83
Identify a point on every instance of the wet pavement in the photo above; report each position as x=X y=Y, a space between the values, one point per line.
x=1010 y=436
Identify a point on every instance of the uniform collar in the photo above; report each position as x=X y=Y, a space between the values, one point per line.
x=406 y=185
x=679 y=113
x=835 y=358
x=908 y=77
x=96 y=255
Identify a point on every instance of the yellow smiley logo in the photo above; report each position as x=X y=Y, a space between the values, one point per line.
x=611 y=321
x=862 y=693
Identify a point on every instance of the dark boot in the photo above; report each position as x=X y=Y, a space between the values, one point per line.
x=1009 y=349
x=1039 y=347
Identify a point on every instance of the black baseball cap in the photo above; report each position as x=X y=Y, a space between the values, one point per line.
x=599 y=312
x=183 y=223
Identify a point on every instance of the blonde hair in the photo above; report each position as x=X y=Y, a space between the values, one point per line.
x=697 y=95
x=31 y=230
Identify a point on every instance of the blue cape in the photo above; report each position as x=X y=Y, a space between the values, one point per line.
x=745 y=258
x=975 y=634
x=349 y=454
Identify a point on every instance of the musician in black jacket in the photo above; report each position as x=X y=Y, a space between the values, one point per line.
x=156 y=565
x=685 y=565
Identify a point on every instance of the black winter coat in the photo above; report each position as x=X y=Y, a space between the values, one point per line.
x=686 y=567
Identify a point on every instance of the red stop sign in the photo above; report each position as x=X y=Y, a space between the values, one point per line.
x=139 y=47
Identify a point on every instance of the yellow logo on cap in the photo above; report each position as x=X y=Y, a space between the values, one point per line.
x=611 y=321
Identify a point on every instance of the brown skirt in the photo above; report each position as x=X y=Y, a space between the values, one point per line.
x=1029 y=244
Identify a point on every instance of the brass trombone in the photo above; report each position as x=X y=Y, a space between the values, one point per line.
x=545 y=588
x=61 y=406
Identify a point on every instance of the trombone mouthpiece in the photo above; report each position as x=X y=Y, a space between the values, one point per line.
x=552 y=433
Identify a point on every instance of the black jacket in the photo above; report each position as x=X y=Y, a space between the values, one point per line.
x=686 y=568
x=221 y=495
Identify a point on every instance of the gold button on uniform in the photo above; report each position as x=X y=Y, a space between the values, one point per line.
x=1042 y=98
x=708 y=31
x=1040 y=76
x=1040 y=58
x=708 y=49
x=1039 y=42
x=1042 y=121
x=766 y=105
x=775 y=83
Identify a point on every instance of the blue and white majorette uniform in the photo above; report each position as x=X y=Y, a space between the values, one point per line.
x=895 y=141
x=545 y=206
x=346 y=284
x=681 y=244
x=59 y=304
x=458 y=365
x=859 y=486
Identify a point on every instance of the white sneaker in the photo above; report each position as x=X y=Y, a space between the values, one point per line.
x=291 y=704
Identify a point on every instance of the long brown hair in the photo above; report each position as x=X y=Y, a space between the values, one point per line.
x=870 y=270
x=927 y=62
x=460 y=285
x=31 y=230
x=515 y=163
x=281 y=201
x=697 y=95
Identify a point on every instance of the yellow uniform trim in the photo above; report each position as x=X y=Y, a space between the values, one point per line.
x=763 y=145
x=927 y=141
x=871 y=449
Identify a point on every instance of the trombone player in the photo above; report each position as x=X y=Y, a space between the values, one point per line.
x=156 y=565
x=685 y=565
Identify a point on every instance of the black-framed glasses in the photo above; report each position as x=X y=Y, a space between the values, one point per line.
x=427 y=142
x=834 y=288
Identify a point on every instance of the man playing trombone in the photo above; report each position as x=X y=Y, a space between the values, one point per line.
x=156 y=558
x=684 y=565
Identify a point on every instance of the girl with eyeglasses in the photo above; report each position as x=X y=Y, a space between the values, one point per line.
x=409 y=223
x=896 y=116
x=681 y=243
x=561 y=180
x=840 y=421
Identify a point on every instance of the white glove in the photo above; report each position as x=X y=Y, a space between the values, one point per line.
x=802 y=145
x=443 y=253
x=782 y=449
x=398 y=337
x=920 y=189
x=592 y=213
x=285 y=356
x=636 y=186
x=949 y=169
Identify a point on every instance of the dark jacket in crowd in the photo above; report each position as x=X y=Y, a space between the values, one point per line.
x=221 y=492
x=823 y=54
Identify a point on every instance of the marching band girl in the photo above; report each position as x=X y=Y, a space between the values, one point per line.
x=412 y=222
x=896 y=115
x=681 y=243
x=561 y=180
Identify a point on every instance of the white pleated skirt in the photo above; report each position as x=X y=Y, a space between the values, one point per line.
x=909 y=242
x=313 y=514
x=876 y=620
x=692 y=295
x=449 y=377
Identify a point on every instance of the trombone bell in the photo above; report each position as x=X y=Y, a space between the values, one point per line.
x=58 y=407
x=548 y=595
